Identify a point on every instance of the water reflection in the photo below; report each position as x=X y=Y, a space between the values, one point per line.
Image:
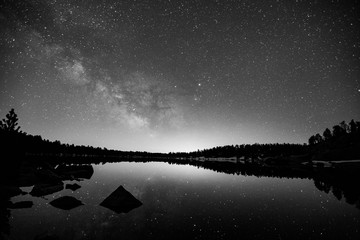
x=200 y=201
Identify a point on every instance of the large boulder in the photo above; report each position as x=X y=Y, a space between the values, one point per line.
x=66 y=203
x=40 y=190
x=121 y=201
x=48 y=176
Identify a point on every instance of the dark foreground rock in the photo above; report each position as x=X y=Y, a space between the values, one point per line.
x=121 y=201
x=40 y=190
x=48 y=176
x=72 y=187
x=66 y=203
x=22 y=204
x=11 y=191
x=27 y=179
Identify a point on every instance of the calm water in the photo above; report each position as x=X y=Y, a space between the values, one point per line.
x=186 y=202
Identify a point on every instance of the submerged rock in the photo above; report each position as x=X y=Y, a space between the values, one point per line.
x=40 y=190
x=73 y=187
x=66 y=203
x=22 y=204
x=121 y=201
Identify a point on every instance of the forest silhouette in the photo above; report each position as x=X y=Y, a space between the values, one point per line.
x=340 y=144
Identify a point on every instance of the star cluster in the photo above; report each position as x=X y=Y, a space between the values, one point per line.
x=179 y=75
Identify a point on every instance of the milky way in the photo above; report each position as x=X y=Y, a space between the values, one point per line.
x=179 y=75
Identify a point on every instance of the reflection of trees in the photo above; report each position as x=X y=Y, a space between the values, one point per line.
x=322 y=186
x=340 y=181
x=342 y=184
x=337 y=193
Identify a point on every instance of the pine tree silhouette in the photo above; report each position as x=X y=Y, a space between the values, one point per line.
x=10 y=123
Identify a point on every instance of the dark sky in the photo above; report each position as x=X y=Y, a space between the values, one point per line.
x=179 y=75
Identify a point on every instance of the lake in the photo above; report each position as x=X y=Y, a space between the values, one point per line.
x=188 y=202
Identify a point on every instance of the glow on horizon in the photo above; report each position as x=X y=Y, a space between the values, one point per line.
x=185 y=140
x=201 y=136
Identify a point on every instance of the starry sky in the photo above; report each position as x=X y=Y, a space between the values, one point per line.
x=166 y=75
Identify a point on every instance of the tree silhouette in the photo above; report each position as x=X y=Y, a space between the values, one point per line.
x=312 y=140
x=10 y=122
x=352 y=125
x=337 y=131
x=318 y=138
x=344 y=126
x=327 y=134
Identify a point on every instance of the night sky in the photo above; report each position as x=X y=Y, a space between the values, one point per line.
x=179 y=75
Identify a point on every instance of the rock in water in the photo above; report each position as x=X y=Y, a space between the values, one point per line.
x=121 y=201
x=40 y=190
x=66 y=203
x=73 y=187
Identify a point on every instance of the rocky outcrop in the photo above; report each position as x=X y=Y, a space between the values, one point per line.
x=66 y=203
x=44 y=189
x=121 y=201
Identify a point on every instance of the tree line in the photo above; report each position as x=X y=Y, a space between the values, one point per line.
x=249 y=151
x=343 y=140
x=340 y=132
x=16 y=142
